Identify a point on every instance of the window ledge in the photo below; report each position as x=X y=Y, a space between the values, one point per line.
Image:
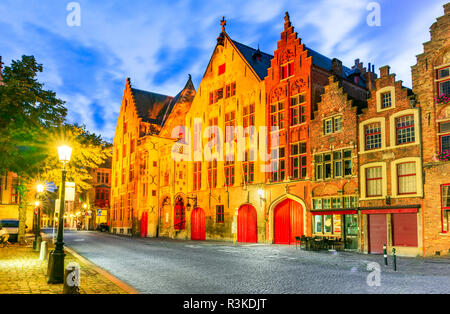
x=445 y=234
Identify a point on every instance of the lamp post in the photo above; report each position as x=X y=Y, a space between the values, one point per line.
x=56 y=260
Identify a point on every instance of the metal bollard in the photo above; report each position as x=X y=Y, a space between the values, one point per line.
x=43 y=255
x=385 y=255
x=394 y=261
x=38 y=244
x=72 y=279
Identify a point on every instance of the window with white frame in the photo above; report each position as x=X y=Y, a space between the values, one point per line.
x=444 y=136
x=374 y=182
x=443 y=77
x=332 y=125
x=372 y=134
x=405 y=130
x=386 y=101
x=406 y=178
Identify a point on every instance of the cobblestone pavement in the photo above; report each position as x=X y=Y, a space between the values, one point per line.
x=174 y=266
x=21 y=272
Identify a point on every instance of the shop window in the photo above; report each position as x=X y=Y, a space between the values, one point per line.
x=386 y=101
x=327 y=224
x=372 y=133
x=298 y=160
x=374 y=182
x=298 y=109
x=406 y=178
x=277 y=115
x=220 y=214
x=405 y=129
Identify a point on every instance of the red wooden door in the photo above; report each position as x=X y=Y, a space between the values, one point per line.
x=288 y=222
x=377 y=232
x=198 y=224
x=247 y=224
x=404 y=229
x=144 y=224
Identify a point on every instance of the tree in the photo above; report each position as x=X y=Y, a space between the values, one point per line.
x=89 y=151
x=27 y=112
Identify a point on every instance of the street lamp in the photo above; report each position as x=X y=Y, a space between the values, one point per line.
x=56 y=260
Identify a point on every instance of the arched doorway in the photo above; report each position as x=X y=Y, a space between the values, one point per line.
x=288 y=222
x=247 y=230
x=144 y=224
x=198 y=224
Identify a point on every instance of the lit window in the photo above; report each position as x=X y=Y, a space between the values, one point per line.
x=278 y=164
x=373 y=136
x=406 y=178
x=405 y=129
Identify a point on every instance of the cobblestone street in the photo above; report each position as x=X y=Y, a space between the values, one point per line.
x=21 y=272
x=175 y=266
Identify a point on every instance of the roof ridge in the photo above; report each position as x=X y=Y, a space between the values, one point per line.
x=247 y=46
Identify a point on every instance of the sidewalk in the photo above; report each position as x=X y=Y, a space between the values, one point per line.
x=21 y=272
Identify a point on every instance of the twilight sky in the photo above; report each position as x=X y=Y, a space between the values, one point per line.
x=157 y=43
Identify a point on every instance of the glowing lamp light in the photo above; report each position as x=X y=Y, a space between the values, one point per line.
x=64 y=153
x=261 y=193
x=36 y=203
x=40 y=188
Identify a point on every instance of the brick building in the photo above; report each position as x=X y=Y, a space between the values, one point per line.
x=337 y=151
x=431 y=79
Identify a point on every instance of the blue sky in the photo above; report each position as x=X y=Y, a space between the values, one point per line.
x=157 y=43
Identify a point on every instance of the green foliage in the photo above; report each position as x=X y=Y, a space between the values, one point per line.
x=89 y=151
x=26 y=111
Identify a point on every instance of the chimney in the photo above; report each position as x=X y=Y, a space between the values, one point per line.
x=384 y=71
x=336 y=67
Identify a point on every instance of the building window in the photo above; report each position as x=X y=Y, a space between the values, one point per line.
x=211 y=98
x=249 y=172
x=197 y=175
x=212 y=173
x=327 y=224
x=248 y=115
x=218 y=94
x=405 y=129
x=373 y=136
x=278 y=164
x=277 y=115
x=298 y=160
x=386 y=101
x=229 y=164
x=230 y=90
x=298 y=109
x=444 y=81
x=221 y=69
x=406 y=178
x=220 y=214
x=445 y=201
x=132 y=146
x=333 y=165
x=131 y=176
x=286 y=70
x=332 y=125
x=444 y=137
x=374 y=182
